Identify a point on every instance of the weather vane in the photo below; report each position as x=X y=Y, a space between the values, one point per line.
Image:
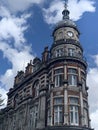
x=66 y=1
x=65 y=11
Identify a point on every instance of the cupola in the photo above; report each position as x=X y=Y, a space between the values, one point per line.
x=66 y=28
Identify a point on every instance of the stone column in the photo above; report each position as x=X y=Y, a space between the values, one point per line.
x=51 y=107
x=81 y=104
x=65 y=96
x=65 y=107
x=42 y=113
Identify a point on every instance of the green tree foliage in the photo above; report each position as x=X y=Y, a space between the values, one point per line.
x=1 y=100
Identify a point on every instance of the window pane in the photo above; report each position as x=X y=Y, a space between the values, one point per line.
x=72 y=79
x=71 y=70
x=61 y=80
x=58 y=115
x=74 y=100
x=74 y=119
x=57 y=71
x=71 y=117
x=58 y=80
x=71 y=52
x=86 y=117
x=49 y=117
x=59 y=52
x=61 y=117
x=83 y=84
x=58 y=101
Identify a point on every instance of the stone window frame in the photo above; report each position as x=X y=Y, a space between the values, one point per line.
x=74 y=111
x=85 y=112
x=58 y=77
x=34 y=115
x=71 y=52
x=59 y=52
x=83 y=80
x=58 y=110
x=72 y=77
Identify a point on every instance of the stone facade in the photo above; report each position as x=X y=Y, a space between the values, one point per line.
x=52 y=92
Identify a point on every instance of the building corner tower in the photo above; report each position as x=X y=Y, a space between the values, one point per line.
x=67 y=104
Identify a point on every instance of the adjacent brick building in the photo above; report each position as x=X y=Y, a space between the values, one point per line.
x=52 y=92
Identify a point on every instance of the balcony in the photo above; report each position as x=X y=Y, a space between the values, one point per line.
x=69 y=56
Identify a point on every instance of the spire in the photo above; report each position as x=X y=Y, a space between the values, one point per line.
x=65 y=12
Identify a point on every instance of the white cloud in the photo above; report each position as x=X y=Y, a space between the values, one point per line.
x=53 y=14
x=21 y=5
x=3 y=92
x=13 y=45
x=94 y=121
x=96 y=59
x=92 y=82
x=18 y=59
x=12 y=27
x=78 y=8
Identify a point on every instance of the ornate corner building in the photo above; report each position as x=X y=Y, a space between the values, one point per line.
x=52 y=93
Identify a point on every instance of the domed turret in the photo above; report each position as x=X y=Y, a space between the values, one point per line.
x=66 y=21
x=66 y=42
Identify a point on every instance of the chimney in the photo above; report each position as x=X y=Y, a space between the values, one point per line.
x=45 y=55
x=29 y=68
x=19 y=77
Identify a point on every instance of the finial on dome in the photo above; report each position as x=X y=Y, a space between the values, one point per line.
x=65 y=12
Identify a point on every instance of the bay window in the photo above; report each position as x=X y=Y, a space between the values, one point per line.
x=58 y=115
x=58 y=77
x=72 y=77
x=74 y=111
x=74 y=119
x=58 y=111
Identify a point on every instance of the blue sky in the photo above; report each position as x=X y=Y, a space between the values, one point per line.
x=26 y=28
